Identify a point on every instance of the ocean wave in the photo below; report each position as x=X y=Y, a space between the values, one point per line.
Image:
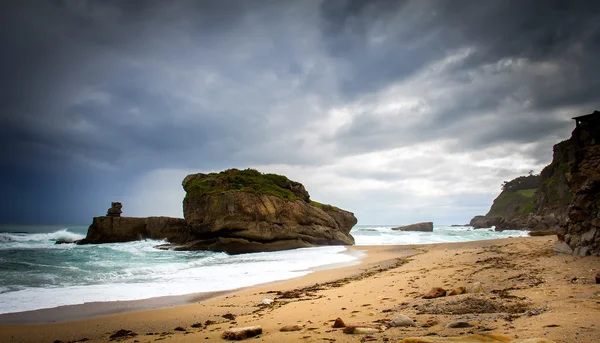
x=60 y=235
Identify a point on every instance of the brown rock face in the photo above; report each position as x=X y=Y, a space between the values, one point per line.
x=128 y=229
x=115 y=210
x=422 y=227
x=238 y=221
x=235 y=211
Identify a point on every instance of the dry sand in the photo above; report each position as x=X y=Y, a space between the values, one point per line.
x=528 y=292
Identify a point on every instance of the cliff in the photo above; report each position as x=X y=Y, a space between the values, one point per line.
x=235 y=211
x=566 y=197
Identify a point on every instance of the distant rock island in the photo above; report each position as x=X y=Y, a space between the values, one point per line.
x=564 y=199
x=235 y=211
x=423 y=227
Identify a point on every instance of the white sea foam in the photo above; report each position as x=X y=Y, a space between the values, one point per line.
x=179 y=277
x=60 y=235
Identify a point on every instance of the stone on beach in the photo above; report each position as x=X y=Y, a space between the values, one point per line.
x=402 y=320
x=266 y=301
x=435 y=292
x=476 y=287
x=362 y=329
x=289 y=328
x=457 y=291
x=237 y=334
x=458 y=324
x=339 y=323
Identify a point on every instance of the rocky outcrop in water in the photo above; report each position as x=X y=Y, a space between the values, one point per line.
x=236 y=211
x=245 y=211
x=127 y=229
x=422 y=227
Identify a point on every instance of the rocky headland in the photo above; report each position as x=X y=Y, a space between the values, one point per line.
x=563 y=199
x=235 y=211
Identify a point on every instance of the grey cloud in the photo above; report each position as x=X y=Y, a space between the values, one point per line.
x=110 y=89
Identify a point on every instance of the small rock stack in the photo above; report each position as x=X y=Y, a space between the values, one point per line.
x=114 y=210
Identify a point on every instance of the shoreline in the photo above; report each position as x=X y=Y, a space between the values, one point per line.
x=96 y=309
x=562 y=301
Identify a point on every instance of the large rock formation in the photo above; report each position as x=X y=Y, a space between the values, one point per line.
x=235 y=211
x=243 y=211
x=566 y=200
x=423 y=227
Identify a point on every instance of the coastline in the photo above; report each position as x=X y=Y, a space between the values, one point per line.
x=388 y=278
x=90 y=310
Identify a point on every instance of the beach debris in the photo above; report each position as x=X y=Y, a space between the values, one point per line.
x=122 y=333
x=368 y=338
x=289 y=328
x=209 y=322
x=435 y=292
x=242 y=333
x=474 y=304
x=402 y=320
x=457 y=291
x=197 y=325
x=179 y=328
x=458 y=324
x=476 y=287
x=480 y=338
x=339 y=323
x=363 y=329
x=266 y=301
x=229 y=316
x=598 y=278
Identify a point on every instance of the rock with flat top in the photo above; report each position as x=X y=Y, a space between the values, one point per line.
x=238 y=334
x=422 y=227
x=242 y=211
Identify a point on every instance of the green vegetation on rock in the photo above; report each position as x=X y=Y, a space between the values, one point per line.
x=234 y=180
x=510 y=203
x=322 y=206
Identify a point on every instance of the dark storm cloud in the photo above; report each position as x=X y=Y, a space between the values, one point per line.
x=563 y=33
x=96 y=92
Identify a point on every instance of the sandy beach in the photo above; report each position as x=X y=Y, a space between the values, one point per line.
x=526 y=291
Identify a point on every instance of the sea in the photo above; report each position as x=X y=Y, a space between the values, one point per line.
x=36 y=273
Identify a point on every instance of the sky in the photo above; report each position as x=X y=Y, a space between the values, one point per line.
x=399 y=111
